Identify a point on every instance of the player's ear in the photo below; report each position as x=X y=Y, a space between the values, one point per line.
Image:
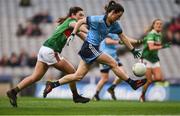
x=73 y=14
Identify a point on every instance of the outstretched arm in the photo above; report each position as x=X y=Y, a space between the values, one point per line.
x=82 y=35
x=126 y=41
x=153 y=46
x=132 y=41
x=134 y=51
x=82 y=28
x=108 y=40
x=78 y=26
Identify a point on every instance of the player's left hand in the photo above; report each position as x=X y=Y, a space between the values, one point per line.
x=140 y=41
x=71 y=37
x=121 y=42
x=136 y=53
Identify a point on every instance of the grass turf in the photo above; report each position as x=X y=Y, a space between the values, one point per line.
x=38 y=106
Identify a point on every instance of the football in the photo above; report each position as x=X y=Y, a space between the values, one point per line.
x=139 y=69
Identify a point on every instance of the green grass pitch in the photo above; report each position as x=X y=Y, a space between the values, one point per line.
x=38 y=106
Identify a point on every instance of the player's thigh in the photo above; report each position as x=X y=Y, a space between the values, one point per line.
x=106 y=59
x=157 y=74
x=40 y=69
x=65 y=66
x=82 y=70
x=149 y=73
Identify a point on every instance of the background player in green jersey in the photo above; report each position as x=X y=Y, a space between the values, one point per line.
x=49 y=55
x=153 y=42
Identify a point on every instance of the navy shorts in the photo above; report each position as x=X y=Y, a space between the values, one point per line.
x=89 y=53
x=104 y=68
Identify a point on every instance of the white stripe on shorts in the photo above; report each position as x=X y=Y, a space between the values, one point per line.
x=95 y=52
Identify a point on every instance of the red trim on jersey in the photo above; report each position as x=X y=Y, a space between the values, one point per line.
x=72 y=18
x=68 y=32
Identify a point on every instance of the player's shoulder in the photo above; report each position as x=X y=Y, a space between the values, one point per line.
x=154 y=33
x=97 y=18
x=71 y=19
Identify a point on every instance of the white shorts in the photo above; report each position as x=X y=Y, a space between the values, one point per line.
x=48 y=56
x=150 y=64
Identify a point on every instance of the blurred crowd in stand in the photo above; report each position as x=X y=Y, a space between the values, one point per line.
x=172 y=30
x=31 y=28
x=18 y=60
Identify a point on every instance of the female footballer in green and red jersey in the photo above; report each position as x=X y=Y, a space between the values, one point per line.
x=49 y=55
x=153 y=42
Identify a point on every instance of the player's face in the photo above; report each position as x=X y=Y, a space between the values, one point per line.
x=158 y=26
x=79 y=15
x=115 y=16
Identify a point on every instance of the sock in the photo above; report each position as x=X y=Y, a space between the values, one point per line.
x=112 y=86
x=55 y=84
x=143 y=93
x=97 y=93
x=74 y=92
x=130 y=81
x=15 y=90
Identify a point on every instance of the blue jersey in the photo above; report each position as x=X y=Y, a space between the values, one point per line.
x=107 y=48
x=98 y=29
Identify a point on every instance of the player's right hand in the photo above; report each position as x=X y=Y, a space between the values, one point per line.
x=136 y=53
x=140 y=41
x=121 y=42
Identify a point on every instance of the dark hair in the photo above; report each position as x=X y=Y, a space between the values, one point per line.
x=114 y=6
x=72 y=10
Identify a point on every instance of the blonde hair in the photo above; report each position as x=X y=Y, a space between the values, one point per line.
x=151 y=27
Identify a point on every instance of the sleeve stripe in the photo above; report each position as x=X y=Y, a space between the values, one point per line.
x=150 y=41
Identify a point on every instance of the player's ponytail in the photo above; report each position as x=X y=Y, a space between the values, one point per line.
x=114 y=6
x=72 y=10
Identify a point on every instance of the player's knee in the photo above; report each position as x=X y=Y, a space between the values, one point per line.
x=159 y=79
x=105 y=80
x=72 y=71
x=78 y=77
x=113 y=64
x=149 y=81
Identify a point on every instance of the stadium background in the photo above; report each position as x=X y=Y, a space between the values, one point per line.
x=19 y=49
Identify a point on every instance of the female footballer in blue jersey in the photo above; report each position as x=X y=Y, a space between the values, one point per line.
x=99 y=27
